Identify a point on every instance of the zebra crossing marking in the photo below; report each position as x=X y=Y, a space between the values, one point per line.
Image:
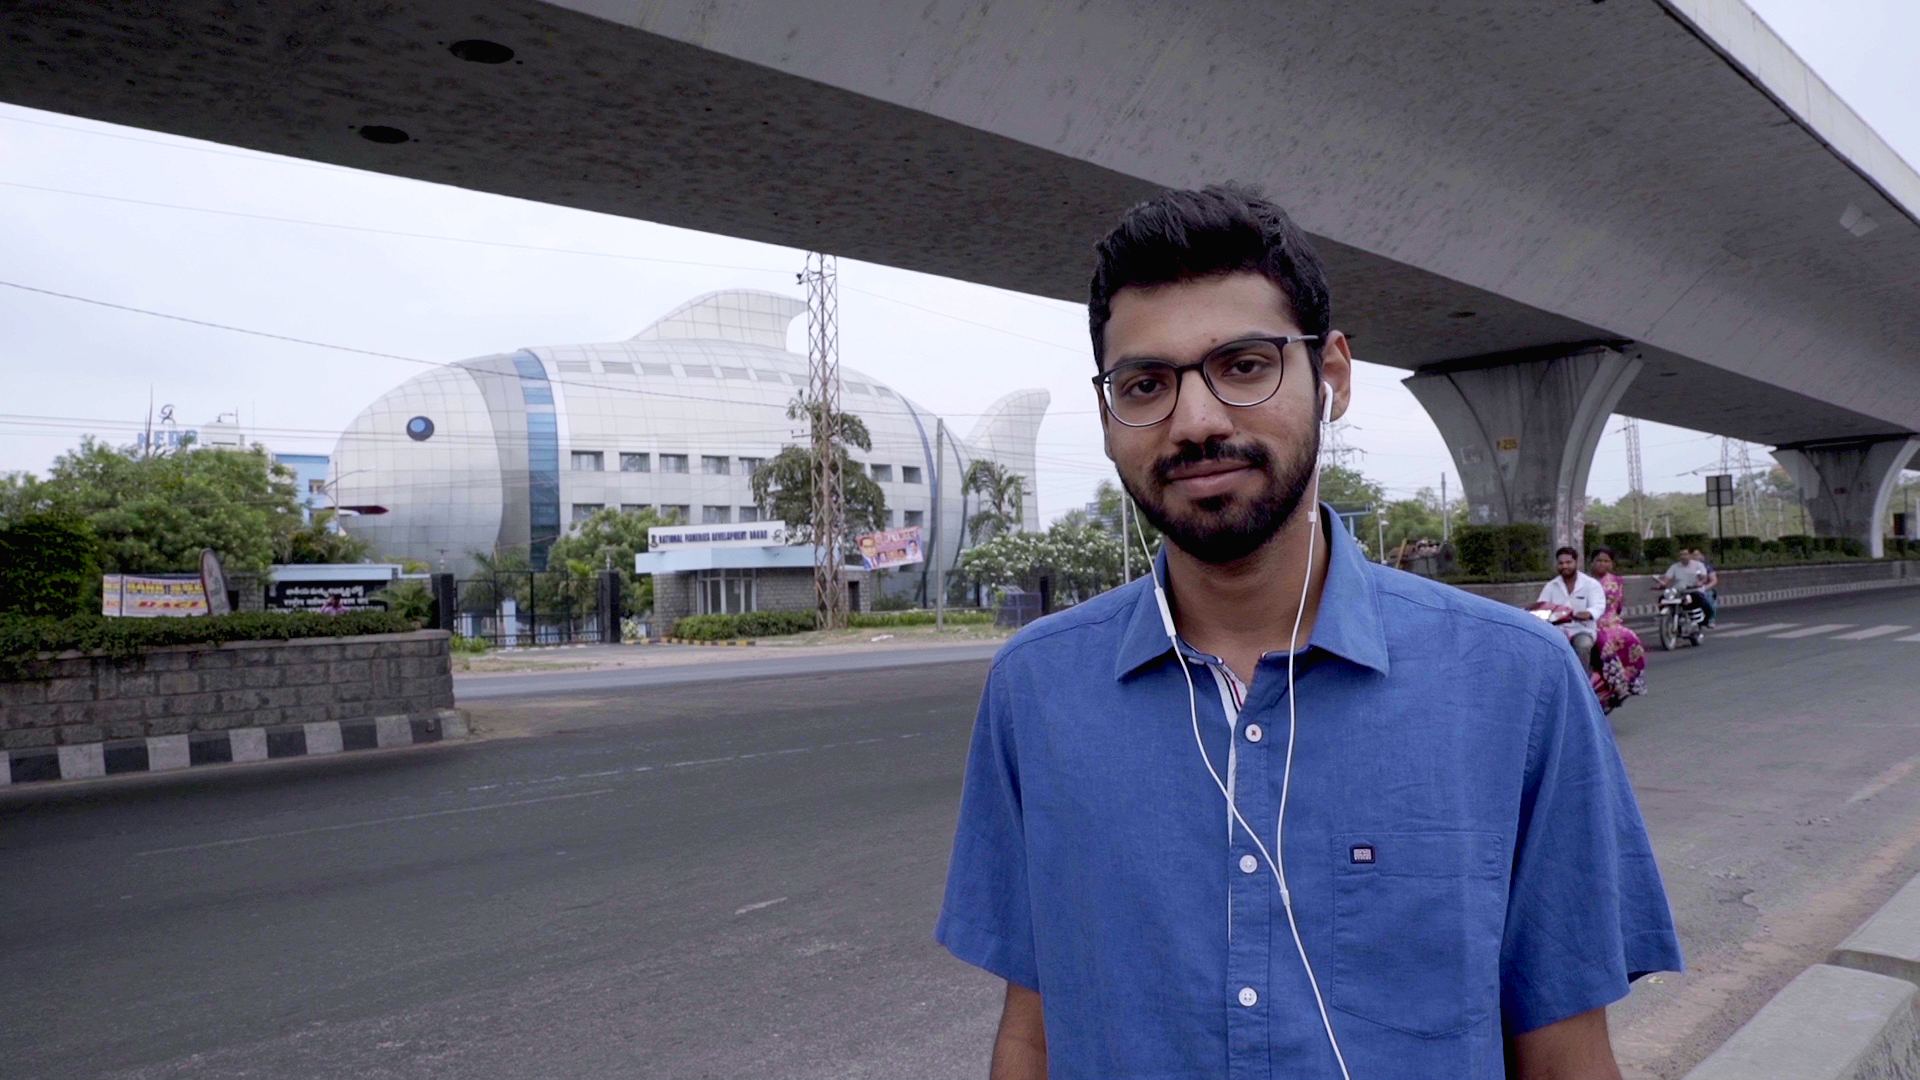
x=1871 y=632
x=1812 y=631
x=1763 y=628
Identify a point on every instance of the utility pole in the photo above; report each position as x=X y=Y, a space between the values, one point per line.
x=1446 y=513
x=933 y=550
x=823 y=380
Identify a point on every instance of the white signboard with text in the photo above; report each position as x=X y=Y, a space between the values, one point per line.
x=745 y=534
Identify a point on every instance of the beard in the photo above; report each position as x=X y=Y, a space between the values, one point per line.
x=1224 y=529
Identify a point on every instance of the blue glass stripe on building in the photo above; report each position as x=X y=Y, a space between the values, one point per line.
x=543 y=459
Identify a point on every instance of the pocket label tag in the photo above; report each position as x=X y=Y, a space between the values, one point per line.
x=1362 y=854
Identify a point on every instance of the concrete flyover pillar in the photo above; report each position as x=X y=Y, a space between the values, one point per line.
x=1846 y=482
x=1523 y=427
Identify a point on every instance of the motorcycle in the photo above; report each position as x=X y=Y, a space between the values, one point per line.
x=1559 y=614
x=1681 y=617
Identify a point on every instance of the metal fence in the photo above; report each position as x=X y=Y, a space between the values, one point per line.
x=525 y=608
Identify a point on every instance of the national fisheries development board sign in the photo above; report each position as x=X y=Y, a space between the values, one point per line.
x=746 y=534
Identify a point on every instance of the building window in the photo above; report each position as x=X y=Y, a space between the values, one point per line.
x=316 y=487
x=716 y=515
x=589 y=461
x=713 y=466
x=725 y=592
x=751 y=465
x=583 y=511
x=910 y=474
x=748 y=514
x=916 y=517
x=883 y=473
x=886 y=520
x=673 y=463
x=676 y=513
x=636 y=462
x=635 y=508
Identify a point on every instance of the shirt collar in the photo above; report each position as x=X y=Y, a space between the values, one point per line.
x=1348 y=626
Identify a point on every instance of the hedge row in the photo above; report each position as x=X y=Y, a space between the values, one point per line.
x=22 y=638
x=758 y=624
x=749 y=624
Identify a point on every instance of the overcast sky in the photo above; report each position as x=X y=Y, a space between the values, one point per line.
x=78 y=215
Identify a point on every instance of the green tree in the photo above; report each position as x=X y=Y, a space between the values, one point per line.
x=610 y=538
x=1347 y=489
x=783 y=487
x=1081 y=557
x=1002 y=493
x=1109 y=497
x=153 y=514
x=48 y=565
x=320 y=541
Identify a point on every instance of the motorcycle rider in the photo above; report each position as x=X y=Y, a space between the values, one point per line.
x=1582 y=596
x=1709 y=585
x=1687 y=574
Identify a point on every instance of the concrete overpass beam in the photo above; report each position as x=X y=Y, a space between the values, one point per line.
x=1523 y=427
x=1846 y=483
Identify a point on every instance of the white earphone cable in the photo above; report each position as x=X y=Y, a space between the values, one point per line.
x=1193 y=713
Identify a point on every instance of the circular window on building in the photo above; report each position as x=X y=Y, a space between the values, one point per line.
x=419 y=429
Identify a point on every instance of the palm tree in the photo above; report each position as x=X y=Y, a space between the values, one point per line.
x=1001 y=491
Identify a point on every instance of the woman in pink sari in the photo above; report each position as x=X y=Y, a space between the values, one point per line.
x=1620 y=662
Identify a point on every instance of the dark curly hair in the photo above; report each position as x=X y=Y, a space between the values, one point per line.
x=1218 y=230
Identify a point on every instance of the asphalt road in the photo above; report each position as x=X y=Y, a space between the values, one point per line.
x=738 y=876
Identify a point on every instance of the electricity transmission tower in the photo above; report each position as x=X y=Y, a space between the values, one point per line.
x=1636 y=482
x=1334 y=448
x=823 y=382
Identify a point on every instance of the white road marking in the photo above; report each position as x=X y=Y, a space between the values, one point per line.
x=1763 y=628
x=1813 y=631
x=1882 y=782
x=1909 y=637
x=1872 y=632
x=370 y=824
x=761 y=904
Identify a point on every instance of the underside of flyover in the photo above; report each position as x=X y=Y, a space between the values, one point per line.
x=1485 y=181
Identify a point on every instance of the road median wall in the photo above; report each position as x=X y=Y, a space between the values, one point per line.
x=1856 y=1017
x=81 y=715
x=1762 y=585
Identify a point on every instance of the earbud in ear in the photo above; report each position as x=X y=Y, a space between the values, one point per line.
x=1326 y=405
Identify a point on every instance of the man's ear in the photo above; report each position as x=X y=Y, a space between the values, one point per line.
x=1336 y=371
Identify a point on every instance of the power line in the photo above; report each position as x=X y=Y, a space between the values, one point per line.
x=377 y=354
x=524 y=247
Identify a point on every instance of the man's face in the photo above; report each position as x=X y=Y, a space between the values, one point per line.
x=1219 y=480
x=1568 y=566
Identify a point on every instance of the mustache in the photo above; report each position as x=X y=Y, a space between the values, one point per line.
x=1250 y=455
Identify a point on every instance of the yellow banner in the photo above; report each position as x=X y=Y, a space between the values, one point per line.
x=152 y=595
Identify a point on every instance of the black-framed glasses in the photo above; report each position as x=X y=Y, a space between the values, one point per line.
x=1141 y=393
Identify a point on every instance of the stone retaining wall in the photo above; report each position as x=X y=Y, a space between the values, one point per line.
x=182 y=689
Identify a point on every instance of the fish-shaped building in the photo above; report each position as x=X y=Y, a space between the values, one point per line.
x=505 y=452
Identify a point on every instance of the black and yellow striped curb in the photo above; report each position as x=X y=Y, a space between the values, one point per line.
x=690 y=641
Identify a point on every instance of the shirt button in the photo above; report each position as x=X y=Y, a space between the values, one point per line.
x=1253 y=733
x=1248 y=864
x=1248 y=997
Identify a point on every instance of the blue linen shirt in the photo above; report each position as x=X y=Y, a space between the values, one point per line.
x=1462 y=846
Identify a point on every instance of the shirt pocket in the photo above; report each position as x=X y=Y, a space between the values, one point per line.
x=1417 y=923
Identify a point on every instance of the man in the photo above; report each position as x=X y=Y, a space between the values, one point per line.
x=1580 y=593
x=1466 y=871
x=1709 y=585
x=1689 y=574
